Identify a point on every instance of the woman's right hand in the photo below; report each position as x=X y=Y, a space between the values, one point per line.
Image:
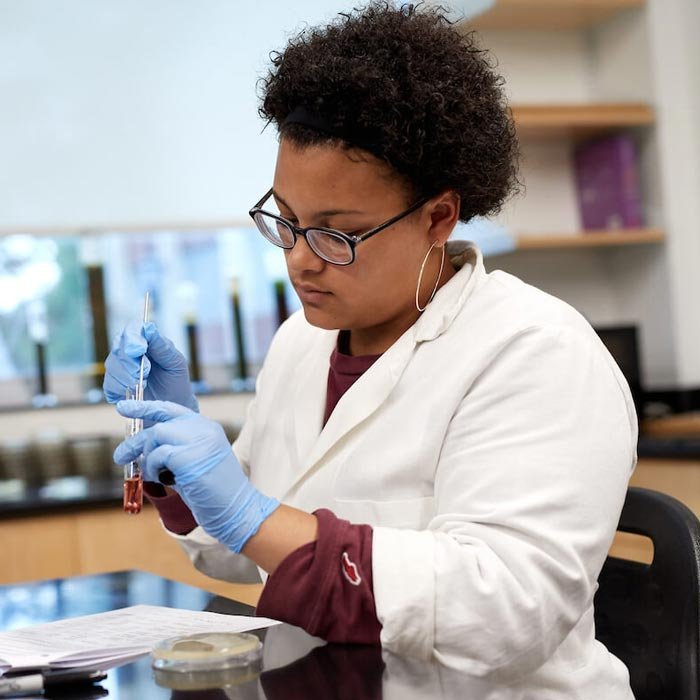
x=165 y=371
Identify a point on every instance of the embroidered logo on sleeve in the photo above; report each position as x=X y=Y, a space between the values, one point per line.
x=350 y=570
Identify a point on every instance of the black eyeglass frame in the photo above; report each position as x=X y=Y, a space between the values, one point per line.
x=352 y=241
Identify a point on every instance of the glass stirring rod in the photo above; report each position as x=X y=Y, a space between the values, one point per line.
x=133 y=477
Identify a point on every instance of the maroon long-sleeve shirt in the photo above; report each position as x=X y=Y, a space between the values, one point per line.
x=325 y=587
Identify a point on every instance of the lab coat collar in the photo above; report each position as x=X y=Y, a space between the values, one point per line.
x=370 y=391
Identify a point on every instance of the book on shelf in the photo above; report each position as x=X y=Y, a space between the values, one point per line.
x=607 y=183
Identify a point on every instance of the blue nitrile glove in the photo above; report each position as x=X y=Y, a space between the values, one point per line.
x=165 y=371
x=207 y=474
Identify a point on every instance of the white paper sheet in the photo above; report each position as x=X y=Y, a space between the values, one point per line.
x=109 y=639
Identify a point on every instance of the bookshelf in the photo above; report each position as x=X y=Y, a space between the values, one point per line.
x=576 y=70
x=552 y=15
x=552 y=121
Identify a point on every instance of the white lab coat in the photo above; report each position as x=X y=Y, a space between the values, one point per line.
x=490 y=447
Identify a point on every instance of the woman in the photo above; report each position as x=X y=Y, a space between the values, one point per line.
x=436 y=457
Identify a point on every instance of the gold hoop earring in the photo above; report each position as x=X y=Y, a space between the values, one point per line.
x=420 y=277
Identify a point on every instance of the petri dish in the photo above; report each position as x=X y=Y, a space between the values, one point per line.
x=206 y=660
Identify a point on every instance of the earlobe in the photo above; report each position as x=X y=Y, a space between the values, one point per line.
x=444 y=217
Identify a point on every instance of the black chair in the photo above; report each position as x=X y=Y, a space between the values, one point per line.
x=649 y=615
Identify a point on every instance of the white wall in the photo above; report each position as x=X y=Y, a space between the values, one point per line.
x=542 y=66
x=123 y=111
x=675 y=51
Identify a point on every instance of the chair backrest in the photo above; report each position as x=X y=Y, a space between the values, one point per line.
x=649 y=615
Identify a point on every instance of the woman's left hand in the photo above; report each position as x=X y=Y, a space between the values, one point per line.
x=207 y=474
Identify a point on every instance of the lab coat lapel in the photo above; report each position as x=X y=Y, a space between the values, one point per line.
x=370 y=391
x=363 y=398
x=311 y=380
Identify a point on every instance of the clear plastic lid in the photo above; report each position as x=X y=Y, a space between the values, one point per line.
x=209 y=651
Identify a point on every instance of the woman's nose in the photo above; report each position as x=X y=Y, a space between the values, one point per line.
x=302 y=259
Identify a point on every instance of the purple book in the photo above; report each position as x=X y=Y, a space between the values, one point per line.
x=607 y=182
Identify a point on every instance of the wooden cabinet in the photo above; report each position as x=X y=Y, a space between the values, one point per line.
x=678 y=478
x=98 y=541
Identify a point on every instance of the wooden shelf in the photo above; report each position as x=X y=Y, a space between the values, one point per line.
x=579 y=121
x=554 y=15
x=591 y=239
x=679 y=425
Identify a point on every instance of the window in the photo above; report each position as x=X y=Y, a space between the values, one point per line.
x=51 y=298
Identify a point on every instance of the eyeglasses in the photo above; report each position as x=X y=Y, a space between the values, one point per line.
x=333 y=246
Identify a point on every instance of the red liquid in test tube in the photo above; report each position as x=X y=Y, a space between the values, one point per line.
x=133 y=495
x=133 y=478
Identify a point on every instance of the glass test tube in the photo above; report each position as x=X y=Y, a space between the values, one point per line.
x=133 y=479
x=133 y=476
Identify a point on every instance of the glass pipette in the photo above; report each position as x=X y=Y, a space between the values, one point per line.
x=133 y=477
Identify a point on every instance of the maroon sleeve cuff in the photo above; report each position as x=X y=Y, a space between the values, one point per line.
x=325 y=587
x=173 y=511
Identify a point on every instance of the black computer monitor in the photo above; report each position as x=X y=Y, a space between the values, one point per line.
x=622 y=343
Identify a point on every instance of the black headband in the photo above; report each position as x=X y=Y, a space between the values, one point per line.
x=314 y=120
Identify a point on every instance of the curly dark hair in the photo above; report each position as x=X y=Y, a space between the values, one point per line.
x=422 y=93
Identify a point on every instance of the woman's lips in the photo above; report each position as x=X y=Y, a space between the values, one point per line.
x=311 y=295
